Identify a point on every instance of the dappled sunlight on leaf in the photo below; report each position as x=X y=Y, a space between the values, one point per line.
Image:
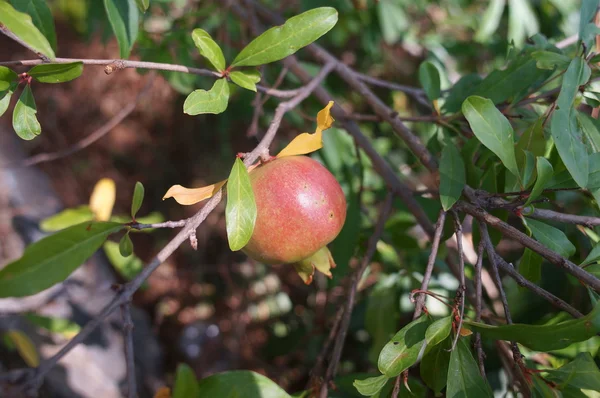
x=103 y=199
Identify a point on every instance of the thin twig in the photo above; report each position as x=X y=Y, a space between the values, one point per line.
x=435 y=244
x=551 y=215
x=91 y=138
x=318 y=367
x=129 y=357
x=460 y=293
x=341 y=335
x=550 y=255
x=517 y=356
x=478 y=303
x=166 y=224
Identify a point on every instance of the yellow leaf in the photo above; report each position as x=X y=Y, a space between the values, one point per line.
x=103 y=199
x=188 y=196
x=25 y=347
x=465 y=332
x=163 y=392
x=307 y=143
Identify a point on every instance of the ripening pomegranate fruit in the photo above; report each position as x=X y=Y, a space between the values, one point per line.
x=300 y=209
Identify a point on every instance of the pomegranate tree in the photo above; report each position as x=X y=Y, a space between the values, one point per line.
x=300 y=209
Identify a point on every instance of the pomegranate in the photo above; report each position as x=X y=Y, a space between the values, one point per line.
x=300 y=209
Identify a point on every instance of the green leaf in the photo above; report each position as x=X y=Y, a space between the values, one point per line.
x=490 y=21
x=593 y=257
x=429 y=77
x=553 y=238
x=142 y=5
x=582 y=373
x=239 y=383
x=588 y=11
x=531 y=266
x=186 y=385
x=126 y=245
x=24 y=120
x=544 y=337
x=124 y=19
x=138 y=198
x=452 y=176
x=7 y=78
x=127 y=267
x=568 y=139
x=21 y=25
x=544 y=174
x=550 y=60
x=382 y=314
x=56 y=73
x=438 y=331
x=434 y=366
x=5 y=97
x=52 y=259
x=67 y=218
x=402 y=351
x=460 y=91
x=209 y=49
x=41 y=17
x=591 y=128
x=578 y=73
x=240 y=212
x=492 y=128
x=370 y=386
x=464 y=379
x=282 y=41
x=55 y=325
x=213 y=101
x=245 y=78
x=532 y=140
x=522 y=22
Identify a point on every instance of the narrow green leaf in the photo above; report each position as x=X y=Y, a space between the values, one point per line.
x=240 y=212
x=371 y=385
x=24 y=120
x=67 y=218
x=438 y=331
x=209 y=49
x=492 y=128
x=531 y=140
x=582 y=372
x=213 y=101
x=126 y=245
x=403 y=350
x=5 y=97
x=588 y=11
x=429 y=77
x=490 y=21
x=544 y=337
x=464 y=379
x=56 y=73
x=591 y=128
x=186 y=385
x=142 y=5
x=553 y=238
x=452 y=176
x=578 y=73
x=7 y=78
x=123 y=16
x=52 y=259
x=593 y=257
x=282 y=41
x=550 y=60
x=41 y=17
x=522 y=22
x=127 y=267
x=21 y=25
x=568 y=139
x=460 y=91
x=138 y=198
x=55 y=325
x=544 y=174
x=531 y=266
x=245 y=78
x=434 y=366
x=239 y=383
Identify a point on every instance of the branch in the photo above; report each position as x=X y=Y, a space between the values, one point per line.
x=129 y=357
x=435 y=244
x=478 y=304
x=460 y=293
x=343 y=328
x=90 y=139
x=513 y=233
x=550 y=215
x=189 y=228
x=112 y=65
